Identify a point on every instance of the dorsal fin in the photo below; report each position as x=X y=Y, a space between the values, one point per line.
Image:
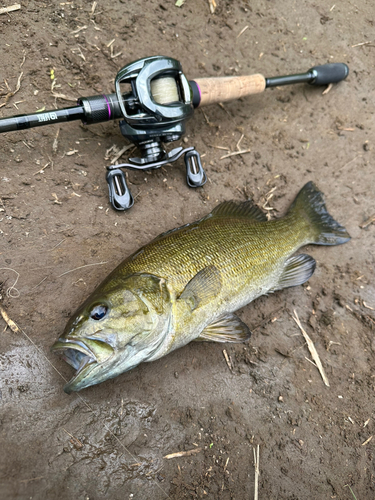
x=244 y=209
x=170 y=231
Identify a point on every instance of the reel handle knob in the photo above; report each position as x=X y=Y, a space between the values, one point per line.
x=195 y=175
x=120 y=196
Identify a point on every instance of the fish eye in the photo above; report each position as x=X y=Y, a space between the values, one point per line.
x=98 y=312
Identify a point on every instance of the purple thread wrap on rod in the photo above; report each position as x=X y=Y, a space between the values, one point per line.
x=108 y=106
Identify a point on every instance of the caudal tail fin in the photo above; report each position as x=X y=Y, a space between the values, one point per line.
x=323 y=229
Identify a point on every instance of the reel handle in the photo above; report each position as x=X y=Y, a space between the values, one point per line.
x=120 y=196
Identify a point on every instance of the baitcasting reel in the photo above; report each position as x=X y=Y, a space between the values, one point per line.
x=154 y=99
x=155 y=112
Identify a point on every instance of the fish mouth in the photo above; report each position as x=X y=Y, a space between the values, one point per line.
x=83 y=357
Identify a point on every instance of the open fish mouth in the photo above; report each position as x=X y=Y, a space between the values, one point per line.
x=82 y=357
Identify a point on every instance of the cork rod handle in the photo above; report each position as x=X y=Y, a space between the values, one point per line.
x=223 y=89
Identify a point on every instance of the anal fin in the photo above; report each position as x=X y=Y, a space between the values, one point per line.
x=227 y=328
x=297 y=270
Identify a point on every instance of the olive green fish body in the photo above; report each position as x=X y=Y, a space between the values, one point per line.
x=190 y=280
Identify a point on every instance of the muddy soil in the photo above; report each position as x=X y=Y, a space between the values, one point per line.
x=59 y=238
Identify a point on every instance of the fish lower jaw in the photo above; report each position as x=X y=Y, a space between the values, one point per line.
x=78 y=355
x=75 y=383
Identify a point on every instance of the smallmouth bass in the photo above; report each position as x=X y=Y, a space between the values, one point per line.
x=186 y=283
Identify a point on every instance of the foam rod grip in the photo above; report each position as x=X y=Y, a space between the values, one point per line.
x=227 y=88
x=329 y=73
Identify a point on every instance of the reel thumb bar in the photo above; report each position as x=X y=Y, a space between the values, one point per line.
x=221 y=89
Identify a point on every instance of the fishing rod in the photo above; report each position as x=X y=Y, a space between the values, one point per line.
x=153 y=99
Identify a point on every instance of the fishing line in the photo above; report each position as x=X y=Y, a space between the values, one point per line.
x=81 y=398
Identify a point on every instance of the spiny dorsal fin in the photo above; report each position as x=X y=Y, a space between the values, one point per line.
x=297 y=270
x=227 y=328
x=203 y=287
x=244 y=209
x=170 y=231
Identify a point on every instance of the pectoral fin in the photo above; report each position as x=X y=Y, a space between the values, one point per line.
x=297 y=270
x=202 y=288
x=227 y=328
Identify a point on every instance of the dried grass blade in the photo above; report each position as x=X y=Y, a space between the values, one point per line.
x=312 y=349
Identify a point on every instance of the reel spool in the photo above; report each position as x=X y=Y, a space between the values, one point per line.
x=164 y=90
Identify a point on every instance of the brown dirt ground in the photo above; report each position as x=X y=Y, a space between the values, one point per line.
x=312 y=438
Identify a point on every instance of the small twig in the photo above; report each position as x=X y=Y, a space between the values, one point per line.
x=224 y=108
x=360 y=44
x=22 y=63
x=183 y=453
x=213 y=6
x=270 y=318
x=330 y=85
x=346 y=129
x=367 y=441
x=77 y=442
x=11 y=8
x=113 y=56
x=239 y=142
x=236 y=153
x=58 y=244
x=312 y=362
x=256 y=465
x=10 y=93
x=81 y=267
x=242 y=31
x=368 y=222
x=55 y=143
x=206 y=118
x=219 y=147
x=78 y=30
x=227 y=359
x=331 y=342
x=8 y=321
x=42 y=169
x=120 y=153
x=312 y=349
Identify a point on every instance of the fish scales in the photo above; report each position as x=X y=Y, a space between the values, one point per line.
x=235 y=246
x=186 y=284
